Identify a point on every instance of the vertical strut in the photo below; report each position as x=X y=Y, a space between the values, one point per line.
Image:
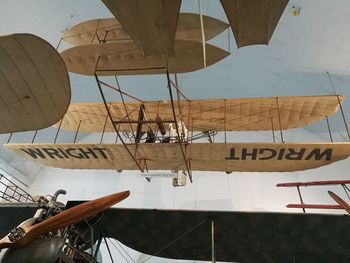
x=104 y=126
x=301 y=199
x=178 y=94
x=76 y=133
x=340 y=106
x=125 y=108
x=8 y=140
x=177 y=127
x=58 y=130
x=213 y=260
x=203 y=34
x=116 y=130
x=225 y=121
x=189 y=116
x=273 y=130
x=59 y=43
x=36 y=132
x=279 y=119
x=343 y=115
x=108 y=249
x=329 y=129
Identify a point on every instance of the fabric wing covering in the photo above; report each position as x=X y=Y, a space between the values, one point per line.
x=250 y=114
x=110 y=30
x=34 y=84
x=228 y=157
x=151 y=23
x=124 y=58
x=253 y=22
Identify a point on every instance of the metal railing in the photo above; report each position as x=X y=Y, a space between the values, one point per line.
x=11 y=192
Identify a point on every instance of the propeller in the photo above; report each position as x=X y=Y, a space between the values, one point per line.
x=22 y=235
x=340 y=201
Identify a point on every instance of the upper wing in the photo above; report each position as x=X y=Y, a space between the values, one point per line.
x=110 y=30
x=125 y=58
x=203 y=115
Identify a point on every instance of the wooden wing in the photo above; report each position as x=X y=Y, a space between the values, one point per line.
x=242 y=157
x=34 y=84
x=253 y=21
x=203 y=115
x=110 y=30
x=151 y=23
x=125 y=58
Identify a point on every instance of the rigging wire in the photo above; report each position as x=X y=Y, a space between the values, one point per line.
x=119 y=251
x=266 y=256
x=340 y=106
x=202 y=33
x=122 y=249
x=176 y=239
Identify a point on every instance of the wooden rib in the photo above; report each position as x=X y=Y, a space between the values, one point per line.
x=253 y=22
x=167 y=156
x=110 y=30
x=219 y=114
x=124 y=58
x=314 y=206
x=314 y=183
x=151 y=24
x=34 y=84
x=64 y=219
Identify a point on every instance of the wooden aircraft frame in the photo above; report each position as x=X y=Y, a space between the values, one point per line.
x=170 y=85
x=181 y=155
x=341 y=203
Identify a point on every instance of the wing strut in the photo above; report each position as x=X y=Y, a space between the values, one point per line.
x=183 y=151
x=115 y=128
x=341 y=203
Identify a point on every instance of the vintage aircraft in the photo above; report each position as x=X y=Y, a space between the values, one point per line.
x=156 y=135
x=52 y=227
x=151 y=143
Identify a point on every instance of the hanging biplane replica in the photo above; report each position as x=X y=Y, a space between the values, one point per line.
x=160 y=135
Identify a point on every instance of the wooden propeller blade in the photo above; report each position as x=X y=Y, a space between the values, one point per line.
x=340 y=201
x=63 y=219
